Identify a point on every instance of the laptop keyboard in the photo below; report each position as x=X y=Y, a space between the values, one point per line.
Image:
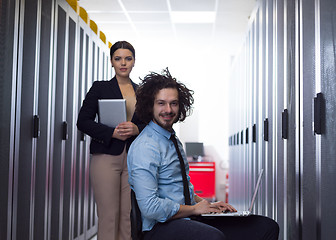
x=234 y=214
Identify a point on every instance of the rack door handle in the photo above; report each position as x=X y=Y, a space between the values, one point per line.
x=65 y=131
x=254 y=133
x=318 y=113
x=285 y=124
x=36 y=126
x=246 y=135
x=242 y=137
x=266 y=129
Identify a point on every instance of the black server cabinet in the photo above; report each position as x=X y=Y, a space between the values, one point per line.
x=80 y=164
x=292 y=164
x=31 y=117
x=278 y=107
x=308 y=190
x=60 y=131
x=8 y=53
x=255 y=108
x=43 y=115
x=327 y=165
x=290 y=46
x=49 y=59
x=25 y=145
x=269 y=160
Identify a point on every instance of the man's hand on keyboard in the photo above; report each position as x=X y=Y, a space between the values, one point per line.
x=223 y=207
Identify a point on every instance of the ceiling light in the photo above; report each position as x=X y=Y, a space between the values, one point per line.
x=193 y=17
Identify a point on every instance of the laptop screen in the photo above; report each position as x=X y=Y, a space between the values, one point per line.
x=256 y=189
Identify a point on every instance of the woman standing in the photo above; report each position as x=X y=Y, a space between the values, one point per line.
x=108 y=168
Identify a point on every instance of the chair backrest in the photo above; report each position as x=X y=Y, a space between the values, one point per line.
x=136 y=221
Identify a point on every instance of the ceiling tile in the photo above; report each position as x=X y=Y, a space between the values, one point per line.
x=149 y=21
x=116 y=27
x=241 y=6
x=105 y=17
x=193 y=5
x=120 y=34
x=156 y=35
x=153 y=27
x=150 y=17
x=145 y=5
x=194 y=30
x=100 y=5
x=224 y=22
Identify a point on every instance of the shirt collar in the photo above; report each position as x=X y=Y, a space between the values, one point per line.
x=161 y=130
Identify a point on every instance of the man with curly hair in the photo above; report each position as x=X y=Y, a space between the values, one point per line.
x=158 y=173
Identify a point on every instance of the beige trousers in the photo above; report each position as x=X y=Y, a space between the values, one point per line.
x=109 y=178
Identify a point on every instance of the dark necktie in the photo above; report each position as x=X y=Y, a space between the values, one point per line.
x=186 y=192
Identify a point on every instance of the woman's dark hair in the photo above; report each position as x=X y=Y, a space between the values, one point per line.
x=122 y=45
x=151 y=85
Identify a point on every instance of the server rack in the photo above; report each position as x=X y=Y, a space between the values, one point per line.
x=48 y=60
x=290 y=116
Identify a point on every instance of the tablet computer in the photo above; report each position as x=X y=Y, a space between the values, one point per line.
x=111 y=112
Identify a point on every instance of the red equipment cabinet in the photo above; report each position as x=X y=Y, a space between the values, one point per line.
x=203 y=177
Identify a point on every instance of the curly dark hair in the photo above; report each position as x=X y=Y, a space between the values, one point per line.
x=151 y=85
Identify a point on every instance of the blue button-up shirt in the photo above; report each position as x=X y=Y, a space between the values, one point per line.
x=155 y=175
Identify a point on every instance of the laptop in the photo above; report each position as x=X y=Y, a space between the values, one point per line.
x=111 y=112
x=243 y=213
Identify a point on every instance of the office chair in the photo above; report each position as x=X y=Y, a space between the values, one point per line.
x=136 y=221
